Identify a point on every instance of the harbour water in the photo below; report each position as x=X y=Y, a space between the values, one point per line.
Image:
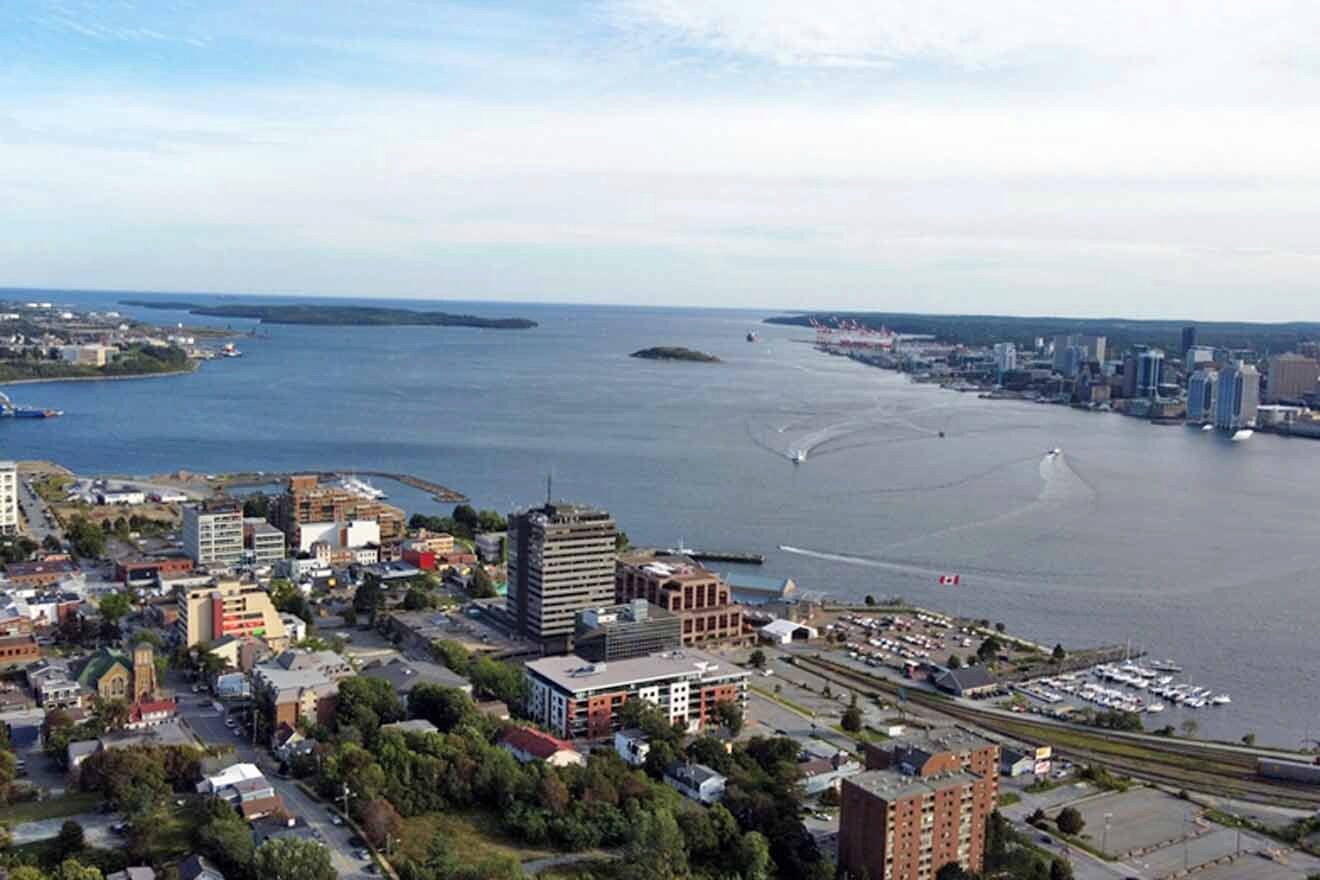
x=1184 y=543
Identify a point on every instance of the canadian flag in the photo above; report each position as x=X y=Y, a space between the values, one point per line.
x=950 y=580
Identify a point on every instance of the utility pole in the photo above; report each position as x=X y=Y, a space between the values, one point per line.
x=1104 y=846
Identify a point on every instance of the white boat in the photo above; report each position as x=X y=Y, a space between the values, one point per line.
x=1155 y=707
x=799 y=456
x=1221 y=699
x=1244 y=434
x=1207 y=427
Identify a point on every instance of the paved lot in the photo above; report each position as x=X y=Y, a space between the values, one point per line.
x=1195 y=851
x=96 y=829
x=1137 y=819
x=1251 y=868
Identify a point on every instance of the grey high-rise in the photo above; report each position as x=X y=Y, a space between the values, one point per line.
x=1237 y=397
x=560 y=562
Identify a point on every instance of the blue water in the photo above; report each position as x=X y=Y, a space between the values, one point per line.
x=1179 y=541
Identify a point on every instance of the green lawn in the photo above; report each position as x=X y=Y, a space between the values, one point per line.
x=1009 y=798
x=474 y=836
x=51 y=808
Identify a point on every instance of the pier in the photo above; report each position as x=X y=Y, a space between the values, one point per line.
x=717 y=555
x=441 y=493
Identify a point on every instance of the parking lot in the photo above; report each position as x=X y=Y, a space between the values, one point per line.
x=1251 y=867
x=1137 y=820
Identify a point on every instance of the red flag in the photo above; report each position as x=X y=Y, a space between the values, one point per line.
x=950 y=580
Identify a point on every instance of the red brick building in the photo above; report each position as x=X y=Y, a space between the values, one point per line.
x=922 y=804
x=698 y=597
x=18 y=650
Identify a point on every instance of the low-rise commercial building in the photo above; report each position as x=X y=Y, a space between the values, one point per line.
x=633 y=629
x=576 y=698
x=46 y=573
x=290 y=696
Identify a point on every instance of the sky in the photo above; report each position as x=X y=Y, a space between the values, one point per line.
x=1079 y=157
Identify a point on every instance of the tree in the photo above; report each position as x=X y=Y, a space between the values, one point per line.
x=381 y=822
x=730 y=716
x=367 y=703
x=369 y=598
x=417 y=600
x=757 y=659
x=1190 y=727
x=1058 y=655
x=621 y=542
x=51 y=543
x=256 y=505
x=1070 y=821
x=1249 y=739
x=852 y=719
x=752 y=856
x=446 y=707
x=1000 y=626
x=656 y=850
x=110 y=714
x=114 y=607
x=481 y=586
x=952 y=871
x=70 y=838
x=85 y=538
x=989 y=649
x=498 y=680
x=869 y=600
x=1060 y=870
x=292 y=858
x=955 y=662
x=226 y=838
x=452 y=655
x=72 y=869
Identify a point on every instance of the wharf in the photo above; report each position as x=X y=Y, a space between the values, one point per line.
x=722 y=556
x=439 y=492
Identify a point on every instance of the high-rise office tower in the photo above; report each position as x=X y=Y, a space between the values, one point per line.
x=1188 y=339
x=1201 y=389
x=560 y=561
x=1237 y=397
x=1150 y=366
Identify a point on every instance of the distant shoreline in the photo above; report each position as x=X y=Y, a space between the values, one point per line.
x=46 y=379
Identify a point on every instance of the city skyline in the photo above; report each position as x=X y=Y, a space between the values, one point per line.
x=851 y=156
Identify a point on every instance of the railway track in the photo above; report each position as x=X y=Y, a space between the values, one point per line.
x=1176 y=763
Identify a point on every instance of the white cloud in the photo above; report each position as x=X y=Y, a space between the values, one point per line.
x=1188 y=43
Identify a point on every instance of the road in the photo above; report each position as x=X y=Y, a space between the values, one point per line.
x=35 y=512
x=209 y=726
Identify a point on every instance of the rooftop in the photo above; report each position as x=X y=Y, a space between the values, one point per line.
x=940 y=739
x=404 y=675
x=534 y=742
x=891 y=784
x=692 y=774
x=573 y=673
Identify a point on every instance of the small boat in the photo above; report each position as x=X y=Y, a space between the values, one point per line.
x=1207 y=427
x=941 y=434
x=23 y=412
x=799 y=456
x=228 y=350
x=1244 y=434
x=1221 y=699
x=1165 y=666
x=1053 y=452
x=751 y=336
x=1155 y=707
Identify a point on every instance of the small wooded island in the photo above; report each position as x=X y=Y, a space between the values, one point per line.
x=337 y=315
x=674 y=353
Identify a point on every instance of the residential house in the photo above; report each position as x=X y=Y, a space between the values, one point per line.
x=197 y=867
x=697 y=782
x=528 y=744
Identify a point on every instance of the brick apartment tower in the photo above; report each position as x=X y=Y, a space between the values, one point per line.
x=922 y=803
